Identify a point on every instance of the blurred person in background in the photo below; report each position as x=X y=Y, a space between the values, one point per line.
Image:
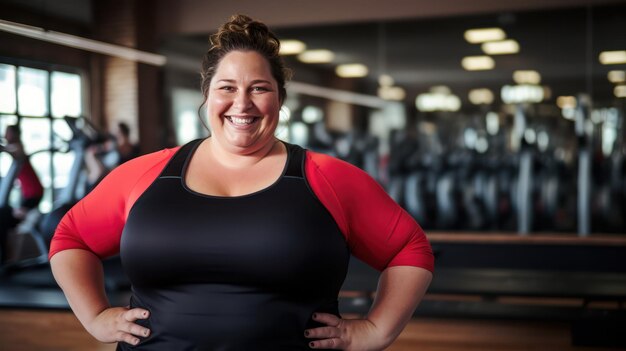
x=100 y=159
x=31 y=190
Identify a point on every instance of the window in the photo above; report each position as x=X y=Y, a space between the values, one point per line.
x=37 y=98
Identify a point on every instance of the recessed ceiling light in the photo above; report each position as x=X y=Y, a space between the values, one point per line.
x=612 y=57
x=478 y=63
x=515 y=94
x=617 y=76
x=385 y=80
x=566 y=102
x=509 y=46
x=391 y=93
x=351 y=70
x=526 y=77
x=291 y=47
x=481 y=35
x=438 y=99
x=317 y=56
x=481 y=96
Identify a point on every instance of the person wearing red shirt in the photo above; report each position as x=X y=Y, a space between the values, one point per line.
x=31 y=189
x=240 y=241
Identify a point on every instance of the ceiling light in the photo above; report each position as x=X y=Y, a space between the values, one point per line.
x=316 y=56
x=438 y=100
x=385 y=80
x=391 y=93
x=516 y=94
x=617 y=76
x=477 y=63
x=481 y=96
x=526 y=77
x=564 y=102
x=620 y=91
x=500 y=47
x=612 y=57
x=351 y=70
x=83 y=43
x=482 y=35
x=291 y=47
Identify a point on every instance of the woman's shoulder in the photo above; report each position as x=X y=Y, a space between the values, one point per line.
x=147 y=161
x=333 y=168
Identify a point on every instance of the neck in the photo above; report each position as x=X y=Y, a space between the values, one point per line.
x=235 y=159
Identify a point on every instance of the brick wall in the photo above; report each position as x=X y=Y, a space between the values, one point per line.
x=115 y=24
x=130 y=90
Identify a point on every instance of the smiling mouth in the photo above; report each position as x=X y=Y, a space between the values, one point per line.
x=242 y=121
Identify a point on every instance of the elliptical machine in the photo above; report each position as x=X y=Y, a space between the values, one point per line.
x=41 y=227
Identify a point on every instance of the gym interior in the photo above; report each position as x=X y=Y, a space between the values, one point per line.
x=507 y=145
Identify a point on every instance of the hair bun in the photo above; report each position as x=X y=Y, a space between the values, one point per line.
x=241 y=28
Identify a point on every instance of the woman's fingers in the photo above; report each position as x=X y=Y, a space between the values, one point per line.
x=134 y=329
x=334 y=343
x=327 y=318
x=127 y=338
x=128 y=326
x=118 y=324
x=323 y=333
x=135 y=314
x=330 y=336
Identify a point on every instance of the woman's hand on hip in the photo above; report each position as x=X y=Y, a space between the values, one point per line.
x=345 y=334
x=118 y=324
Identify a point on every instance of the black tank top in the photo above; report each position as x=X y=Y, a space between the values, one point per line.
x=232 y=273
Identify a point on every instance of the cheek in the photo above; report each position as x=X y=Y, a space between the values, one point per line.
x=270 y=107
x=216 y=105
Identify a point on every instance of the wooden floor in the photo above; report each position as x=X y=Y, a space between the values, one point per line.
x=25 y=330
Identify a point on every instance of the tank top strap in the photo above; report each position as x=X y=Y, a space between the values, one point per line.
x=177 y=163
x=295 y=164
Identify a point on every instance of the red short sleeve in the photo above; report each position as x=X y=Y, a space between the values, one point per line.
x=377 y=229
x=96 y=222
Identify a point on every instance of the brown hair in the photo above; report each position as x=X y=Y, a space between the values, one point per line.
x=242 y=33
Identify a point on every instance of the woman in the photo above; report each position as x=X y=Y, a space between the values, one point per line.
x=30 y=188
x=240 y=241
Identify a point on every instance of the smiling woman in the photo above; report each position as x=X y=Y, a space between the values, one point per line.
x=243 y=103
x=240 y=241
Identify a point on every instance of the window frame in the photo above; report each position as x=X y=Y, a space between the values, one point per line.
x=49 y=68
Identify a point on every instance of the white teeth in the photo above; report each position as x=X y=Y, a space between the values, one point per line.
x=238 y=120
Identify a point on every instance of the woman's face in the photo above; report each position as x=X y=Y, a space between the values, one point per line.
x=243 y=102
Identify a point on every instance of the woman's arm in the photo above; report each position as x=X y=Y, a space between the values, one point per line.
x=400 y=289
x=79 y=274
x=379 y=232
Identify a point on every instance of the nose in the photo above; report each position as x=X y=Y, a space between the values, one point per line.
x=242 y=100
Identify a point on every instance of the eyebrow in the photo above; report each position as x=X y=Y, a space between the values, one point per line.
x=256 y=81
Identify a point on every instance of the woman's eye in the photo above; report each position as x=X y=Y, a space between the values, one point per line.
x=259 y=89
x=227 y=88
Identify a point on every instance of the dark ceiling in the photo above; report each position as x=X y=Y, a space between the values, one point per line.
x=562 y=45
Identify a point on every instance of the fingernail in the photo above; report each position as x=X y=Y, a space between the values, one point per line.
x=314 y=315
x=135 y=341
x=146 y=332
x=145 y=314
x=311 y=344
x=306 y=333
